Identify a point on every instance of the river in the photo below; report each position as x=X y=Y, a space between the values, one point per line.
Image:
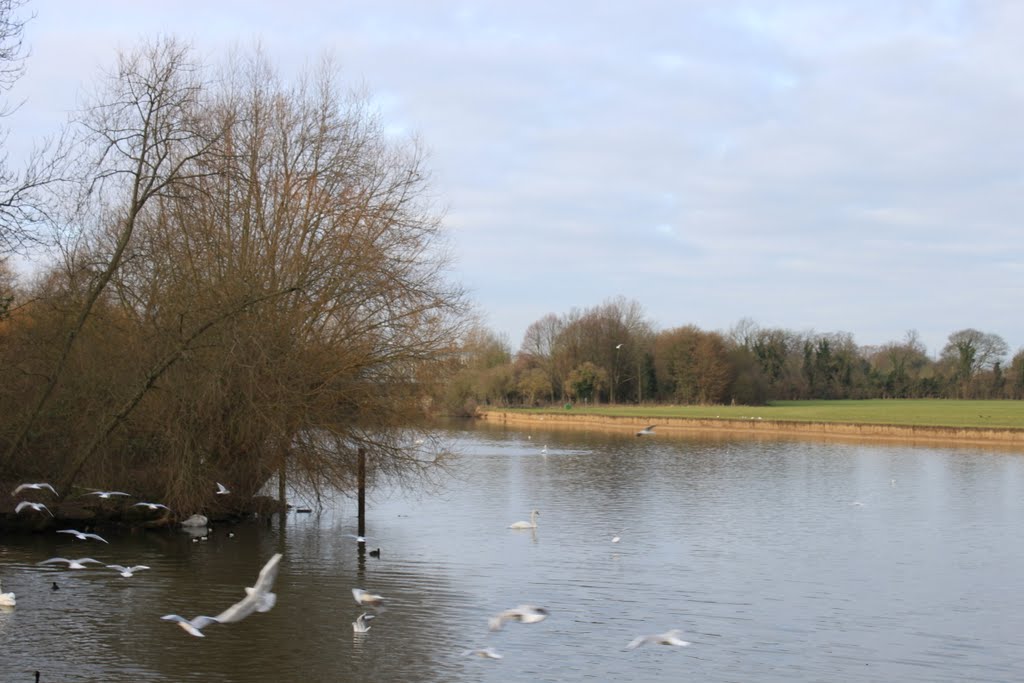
x=779 y=561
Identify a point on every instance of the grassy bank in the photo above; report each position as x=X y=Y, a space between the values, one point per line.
x=904 y=412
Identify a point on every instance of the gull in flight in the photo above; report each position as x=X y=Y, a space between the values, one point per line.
x=22 y=487
x=667 y=638
x=81 y=535
x=107 y=494
x=258 y=598
x=72 y=564
x=152 y=506
x=485 y=652
x=7 y=599
x=367 y=599
x=524 y=614
x=193 y=626
x=647 y=431
x=221 y=489
x=360 y=625
x=38 y=507
x=127 y=572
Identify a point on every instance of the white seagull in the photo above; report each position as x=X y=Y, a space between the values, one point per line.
x=360 y=625
x=485 y=652
x=667 y=638
x=38 y=507
x=359 y=539
x=127 y=572
x=258 y=598
x=22 y=487
x=72 y=564
x=524 y=614
x=532 y=524
x=152 y=506
x=81 y=535
x=367 y=599
x=193 y=626
x=107 y=494
x=7 y=599
x=647 y=431
x=221 y=489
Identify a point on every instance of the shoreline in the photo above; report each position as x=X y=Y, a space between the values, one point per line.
x=778 y=428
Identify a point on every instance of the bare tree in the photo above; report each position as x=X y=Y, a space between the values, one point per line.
x=143 y=140
x=23 y=206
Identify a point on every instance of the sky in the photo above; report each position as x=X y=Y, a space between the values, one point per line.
x=821 y=166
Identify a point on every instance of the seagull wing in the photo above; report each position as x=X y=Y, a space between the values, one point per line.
x=637 y=642
x=118 y=568
x=55 y=559
x=191 y=626
x=21 y=487
x=96 y=536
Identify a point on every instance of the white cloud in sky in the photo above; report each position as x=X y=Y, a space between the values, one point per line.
x=850 y=165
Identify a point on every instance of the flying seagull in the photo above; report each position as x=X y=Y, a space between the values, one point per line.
x=524 y=614
x=107 y=494
x=258 y=598
x=221 y=489
x=667 y=638
x=81 y=535
x=485 y=652
x=152 y=506
x=367 y=599
x=360 y=625
x=127 y=572
x=192 y=626
x=72 y=564
x=38 y=507
x=647 y=431
x=22 y=487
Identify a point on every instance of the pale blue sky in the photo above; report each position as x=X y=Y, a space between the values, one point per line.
x=823 y=165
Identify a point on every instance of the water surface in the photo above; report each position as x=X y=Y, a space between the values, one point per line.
x=781 y=561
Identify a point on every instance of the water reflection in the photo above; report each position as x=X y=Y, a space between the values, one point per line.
x=752 y=548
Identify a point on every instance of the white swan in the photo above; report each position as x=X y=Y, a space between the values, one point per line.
x=666 y=638
x=6 y=599
x=195 y=521
x=532 y=524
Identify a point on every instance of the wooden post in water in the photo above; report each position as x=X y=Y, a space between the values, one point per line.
x=281 y=485
x=361 y=480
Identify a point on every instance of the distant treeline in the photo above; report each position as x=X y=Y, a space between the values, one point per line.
x=612 y=354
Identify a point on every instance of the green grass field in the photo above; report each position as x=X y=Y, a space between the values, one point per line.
x=923 y=412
